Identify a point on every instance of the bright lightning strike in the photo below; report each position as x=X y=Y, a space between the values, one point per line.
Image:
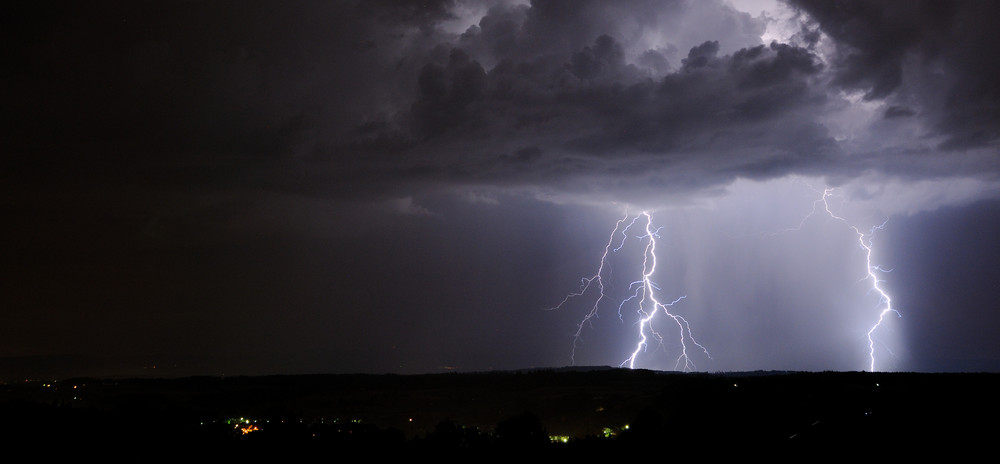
x=643 y=294
x=871 y=271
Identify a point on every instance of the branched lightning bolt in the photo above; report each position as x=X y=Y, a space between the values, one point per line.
x=643 y=290
x=871 y=271
x=586 y=282
x=649 y=305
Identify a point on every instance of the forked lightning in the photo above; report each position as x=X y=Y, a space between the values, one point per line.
x=643 y=295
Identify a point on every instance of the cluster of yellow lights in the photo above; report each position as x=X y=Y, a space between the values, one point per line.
x=609 y=432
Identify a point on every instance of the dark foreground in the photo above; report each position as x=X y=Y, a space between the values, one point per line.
x=569 y=413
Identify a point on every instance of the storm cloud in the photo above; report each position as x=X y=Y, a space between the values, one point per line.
x=389 y=93
x=211 y=171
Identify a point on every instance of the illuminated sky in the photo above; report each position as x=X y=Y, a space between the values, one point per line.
x=390 y=186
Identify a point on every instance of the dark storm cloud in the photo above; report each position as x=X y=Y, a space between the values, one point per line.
x=553 y=28
x=377 y=99
x=619 y=109
x=446 y=91
x=203 y=86
x=582 y=88
x=941 y=58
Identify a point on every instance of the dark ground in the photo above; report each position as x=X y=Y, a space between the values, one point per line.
x=498 y=412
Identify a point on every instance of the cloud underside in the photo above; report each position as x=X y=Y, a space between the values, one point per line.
x=381 y=99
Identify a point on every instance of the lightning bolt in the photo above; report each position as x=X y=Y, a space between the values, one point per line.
x=643 y=293
x=871 y=271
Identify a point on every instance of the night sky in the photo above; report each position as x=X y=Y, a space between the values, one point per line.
x=264 y=187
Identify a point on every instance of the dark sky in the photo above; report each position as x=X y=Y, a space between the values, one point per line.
x=252 y=187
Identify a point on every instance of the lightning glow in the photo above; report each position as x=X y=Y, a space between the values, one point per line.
x=643 y=294
x=871 y=271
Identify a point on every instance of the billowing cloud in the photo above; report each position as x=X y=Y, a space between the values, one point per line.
x=596 y=99
x=612 y=109
x=935 y=60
